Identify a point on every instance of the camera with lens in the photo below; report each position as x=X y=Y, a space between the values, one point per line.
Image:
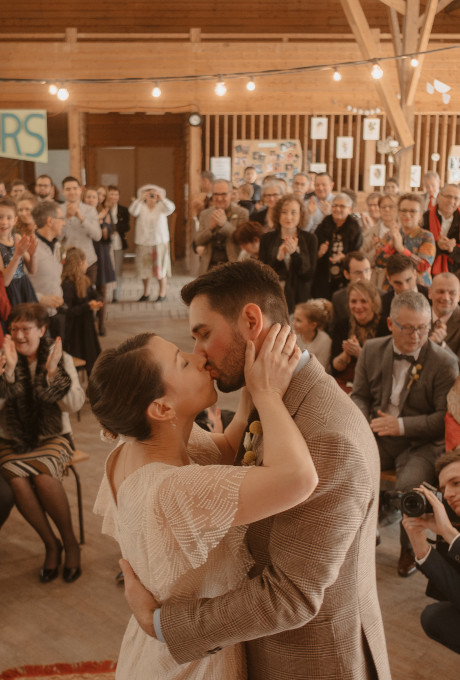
x=414 y=503
x=151 y=194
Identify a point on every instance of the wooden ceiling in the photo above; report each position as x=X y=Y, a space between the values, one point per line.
x=178 y=16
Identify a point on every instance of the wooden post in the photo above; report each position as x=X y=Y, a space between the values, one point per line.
x=75 y=142
x=370 y=148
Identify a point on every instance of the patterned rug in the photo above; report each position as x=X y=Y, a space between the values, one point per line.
x=88 y=670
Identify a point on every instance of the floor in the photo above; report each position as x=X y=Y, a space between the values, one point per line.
x=84 y=621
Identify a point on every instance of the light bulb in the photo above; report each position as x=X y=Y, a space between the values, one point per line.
x=63 y=93
x=414 y=62
x=52 y=89
x=250 y=85
x=337 y=75
x=156 y=92
x=220 y=88
x=376 y=72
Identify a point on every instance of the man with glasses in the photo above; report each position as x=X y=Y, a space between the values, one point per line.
x=443 y=221
x=43 y=188
x=302 y=186
x=217 y=226
x=445 y=322
x=401 y=385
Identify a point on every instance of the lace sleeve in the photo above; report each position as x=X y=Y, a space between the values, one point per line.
x=201 y=448
x=193 y=510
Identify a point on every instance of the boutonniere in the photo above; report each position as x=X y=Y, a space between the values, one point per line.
x=414 y=374
x=234 y=217
x=250 y=439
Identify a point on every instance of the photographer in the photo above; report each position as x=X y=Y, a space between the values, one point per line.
x=441 y=621
x=151 y=209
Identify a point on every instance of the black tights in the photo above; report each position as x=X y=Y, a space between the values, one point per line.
x=38 y=497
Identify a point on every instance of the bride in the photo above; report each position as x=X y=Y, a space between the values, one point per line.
x=179 y=519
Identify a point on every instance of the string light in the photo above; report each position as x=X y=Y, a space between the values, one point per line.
x=414 y=62
x=376 y=72
x=62 y=94
x=250 y=85
x=220 y=88
x=337 y=75
x=52 y=89
x=156 y=92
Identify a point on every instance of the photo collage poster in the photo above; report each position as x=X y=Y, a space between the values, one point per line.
x=281 y=157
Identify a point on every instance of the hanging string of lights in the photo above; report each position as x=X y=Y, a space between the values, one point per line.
x=60 y=88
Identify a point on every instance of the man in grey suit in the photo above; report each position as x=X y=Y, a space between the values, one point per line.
x=217 y=226
x=401 y=385
x=309 y=606
x=445 y=327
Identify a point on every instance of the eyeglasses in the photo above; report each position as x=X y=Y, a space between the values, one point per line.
x=410 y=330
x=218 y=195
x=23 y=329
x=338 y=205
x=387 y=207
x=451 y=198
x=272 y=196
x=405 y=211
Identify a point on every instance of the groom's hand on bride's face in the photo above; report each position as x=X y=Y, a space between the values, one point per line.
x=140 y=601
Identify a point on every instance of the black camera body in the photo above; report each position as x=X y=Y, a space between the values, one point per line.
x=415 y=504
x=151 y=194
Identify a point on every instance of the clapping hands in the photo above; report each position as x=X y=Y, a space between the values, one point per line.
x=54 y=357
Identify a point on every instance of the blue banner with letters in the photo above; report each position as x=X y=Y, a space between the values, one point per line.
x=24 y=134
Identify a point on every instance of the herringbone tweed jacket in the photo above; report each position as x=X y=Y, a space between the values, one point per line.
x=309 y=608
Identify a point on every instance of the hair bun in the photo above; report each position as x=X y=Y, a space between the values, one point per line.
x=108 y=436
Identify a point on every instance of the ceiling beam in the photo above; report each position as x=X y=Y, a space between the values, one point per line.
x=430 y=13
x=370 y=49
x=398 y=5
x=442 y=4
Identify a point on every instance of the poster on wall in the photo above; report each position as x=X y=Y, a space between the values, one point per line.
x=415 y=176
x=221 y=167
x=318 y=128
x=371 y=129
x=318 y=167
x=24 y=134
x=281 y=157
x=344 y=147
x=377 y=175
x=453 y=164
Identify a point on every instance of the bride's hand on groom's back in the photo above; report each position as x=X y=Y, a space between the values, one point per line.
x=139 y=599
x=272 y=369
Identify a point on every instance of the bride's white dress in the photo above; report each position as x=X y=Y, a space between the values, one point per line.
x=173 y=524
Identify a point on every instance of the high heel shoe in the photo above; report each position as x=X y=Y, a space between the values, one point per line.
x=70 y=574
x=47 y=575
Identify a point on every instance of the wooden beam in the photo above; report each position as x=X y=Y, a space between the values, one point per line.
x=397 y=42
x=370 y=49
x=398 y=5
x=424 y=38
x=442 y=4
x=75 y=142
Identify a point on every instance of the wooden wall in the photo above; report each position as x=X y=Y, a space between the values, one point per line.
x=176 y=16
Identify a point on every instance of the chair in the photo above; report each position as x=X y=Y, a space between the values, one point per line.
x=78 y=457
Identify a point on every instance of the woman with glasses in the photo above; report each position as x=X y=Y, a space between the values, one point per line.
x=388 y=221
x=408 y=238
x=271 y=193
x=39 y=387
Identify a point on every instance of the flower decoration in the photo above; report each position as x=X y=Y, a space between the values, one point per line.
x=414 y=375
x=250 y=439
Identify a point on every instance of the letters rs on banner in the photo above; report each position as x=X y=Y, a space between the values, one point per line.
x=24 y=134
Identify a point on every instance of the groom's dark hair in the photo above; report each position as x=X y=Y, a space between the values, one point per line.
x=231 y=286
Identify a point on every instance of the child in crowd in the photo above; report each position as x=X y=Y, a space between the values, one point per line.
x=247 y=236
x=81 y=299
x=310 y=319
x=16 y=251
x=245 y=194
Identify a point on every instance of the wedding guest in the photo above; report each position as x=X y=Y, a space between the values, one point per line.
x=443 y=221
x=310 y=320
x=118 y=215
x=25 y=204
x=270 y=195
x=16 y=252
x=247 y=236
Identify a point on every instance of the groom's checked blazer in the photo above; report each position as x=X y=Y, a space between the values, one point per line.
x=309 y=607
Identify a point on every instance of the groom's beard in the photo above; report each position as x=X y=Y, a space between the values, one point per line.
x=231 y=372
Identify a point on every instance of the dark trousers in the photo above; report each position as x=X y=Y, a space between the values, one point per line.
x=441 y=622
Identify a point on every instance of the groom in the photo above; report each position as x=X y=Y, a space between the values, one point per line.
x=308 y=609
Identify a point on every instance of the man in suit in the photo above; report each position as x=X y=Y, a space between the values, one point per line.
x=356 y=267
x=441 y=620
x=217 y=226
x=443 y=220
x=309 y=606
x=444 y=294
x=119 y=217
x=401 y=384
x=431 y=183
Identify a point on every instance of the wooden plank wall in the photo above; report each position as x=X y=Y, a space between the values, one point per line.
x=263 y=16
x=434 y=133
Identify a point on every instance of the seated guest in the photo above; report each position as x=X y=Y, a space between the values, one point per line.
x=39 y=388
x=356 y=267
x=270 y=195
x=247 y=236
x=244 y=194
x=444 y=295
x=217 y=227
x=338 y=234
x=46 y=281
x=441 y=620
x=310 y=320
x=290 y=250
x=388 y=222
x=401 y=385
x=410 y=239
x=443 y=221
x=350 y=333
x=402 y=277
